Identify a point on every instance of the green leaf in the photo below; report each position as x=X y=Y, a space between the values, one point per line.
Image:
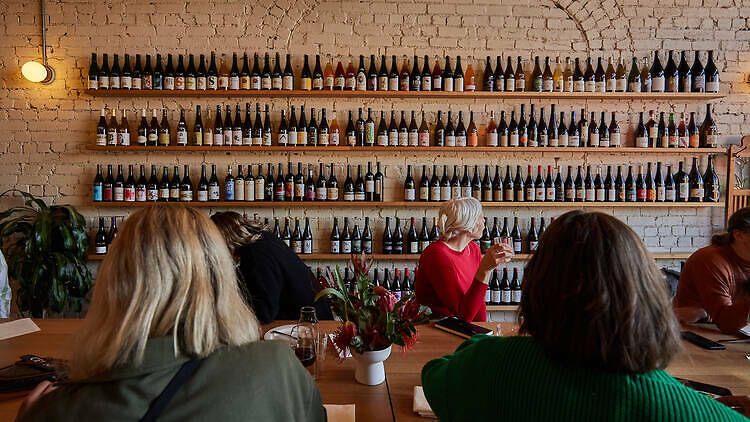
x=329 y=291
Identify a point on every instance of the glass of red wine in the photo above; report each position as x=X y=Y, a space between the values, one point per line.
x=308 y=341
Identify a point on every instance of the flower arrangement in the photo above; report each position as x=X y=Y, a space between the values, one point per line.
x=372 y=317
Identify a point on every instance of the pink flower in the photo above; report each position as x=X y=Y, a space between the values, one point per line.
x=386 y=302
x=379 y=291
x=361 y=264
x=344 y=335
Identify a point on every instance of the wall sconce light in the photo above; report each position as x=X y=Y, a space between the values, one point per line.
x=35 y=71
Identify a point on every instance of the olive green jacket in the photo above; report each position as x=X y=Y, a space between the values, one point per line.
x=261 y=381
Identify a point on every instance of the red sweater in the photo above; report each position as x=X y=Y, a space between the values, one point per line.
x=445 y=282
x=711 y=280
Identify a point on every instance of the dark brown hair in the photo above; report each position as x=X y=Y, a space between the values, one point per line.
x=237 y=230
x=740 y=220
x=593 y=296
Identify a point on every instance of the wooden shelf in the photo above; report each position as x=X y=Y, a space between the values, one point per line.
x=502 y=308
x=415 y=257
x=431 y=149
x=416 y=204
x=675 y=96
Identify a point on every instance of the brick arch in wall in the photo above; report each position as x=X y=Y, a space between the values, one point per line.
x=597 y=22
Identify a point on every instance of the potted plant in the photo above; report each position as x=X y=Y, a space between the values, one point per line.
x=372 y=319
x=45 y=247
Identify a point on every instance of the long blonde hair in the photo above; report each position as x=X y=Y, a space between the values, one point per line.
x=457 y=215
x=168 y=272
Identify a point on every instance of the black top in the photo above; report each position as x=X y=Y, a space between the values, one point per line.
x=277 y=282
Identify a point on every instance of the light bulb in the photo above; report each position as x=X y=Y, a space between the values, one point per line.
x=34 y=71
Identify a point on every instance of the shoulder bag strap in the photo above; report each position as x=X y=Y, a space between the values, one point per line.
x=162 y=401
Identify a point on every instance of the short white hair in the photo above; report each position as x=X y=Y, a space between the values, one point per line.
x=457 y=215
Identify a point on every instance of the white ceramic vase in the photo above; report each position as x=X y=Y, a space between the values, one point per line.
x=369 y=369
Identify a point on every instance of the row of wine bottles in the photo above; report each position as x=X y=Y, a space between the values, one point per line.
x=570 y=77
x=401 y=284
x=549 y=186
x=503 y=290
x=578 y=132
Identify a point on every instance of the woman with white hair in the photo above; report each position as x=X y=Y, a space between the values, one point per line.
x=168 y=335
x=452 y=276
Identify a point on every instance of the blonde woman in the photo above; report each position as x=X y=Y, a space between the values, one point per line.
x=277 y=282
x=165 y=302
x=452 y=276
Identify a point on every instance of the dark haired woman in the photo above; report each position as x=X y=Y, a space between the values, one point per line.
x=713 y=282
x=601 y=330
x=276 y=280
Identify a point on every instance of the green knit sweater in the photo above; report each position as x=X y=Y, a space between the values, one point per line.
x=511 y=379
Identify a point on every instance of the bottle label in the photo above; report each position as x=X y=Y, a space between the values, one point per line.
x=700 y=83
x=600 y=86
x=424 y=139
x=112 y=137
x=672 y=84
x=97 y=193
x=119 y=194
x=514 y=139
x=333 y=194
x=413 y=247
x=563 y=140
x=383 y=140
x=409 y=194
x=604 y=141
x=517 y=246
x=553 y=142
x=424 y=193
x=186 y=195
x=287 y=82
x=335 y=246
x=614 y=139
x=611 y=85
x=359 y=196
x=673 y=141
x=550 y=194
x=455 y=192
x=450 y=141
x=445 y=193
x=684 y=190
x=574 y=141
x=260 y=191
x=492 y=139
x=129 y=194
x=713 y=86
x=229 y=191
x=465 y=191
x=611 y=195
x=103 y=82
x=697 y=193
x=505 y=297
x=520 y=84
x=590 y=86
x=660 y=193
x=635 y=86
x=350 y=83
x=140 y=194
x=239 y=189
x=202 y=195
x=540 y=194
x=164 y=193
x=219 y=138
x=570 y=194
x=265 y=83
x=101 y=250
x=631 y=195
x=414 y=139
x=321 y=194
x=597 y=194
x=594 y=139
x=579 y=86
x=694 y=140
x=182 y=137
x=114 y=82
x=516 y=296
x=641 y=142
x=301 y=137
x=670 y=195
x=101 y=139
x=712 y=141
x=713 y=194
x=370 y=186
x=653 y=132
x=346 y=246
x=657 y=84
x=547 y=85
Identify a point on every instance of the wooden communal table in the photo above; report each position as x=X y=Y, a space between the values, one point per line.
x=728 y=368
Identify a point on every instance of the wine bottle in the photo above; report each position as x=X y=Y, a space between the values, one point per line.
x=711 y=74
x=697 y=192
x=332 y=186
x=709 y=132
x=711 y=182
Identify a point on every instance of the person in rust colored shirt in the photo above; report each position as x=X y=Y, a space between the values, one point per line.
x=452 y=276
x=714 y=282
